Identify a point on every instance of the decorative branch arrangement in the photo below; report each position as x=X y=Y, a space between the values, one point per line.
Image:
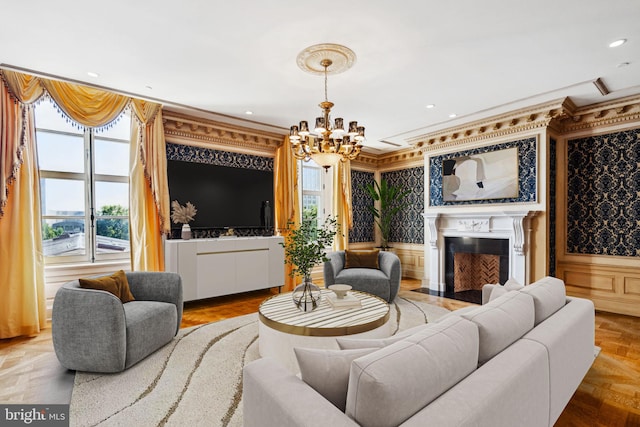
x=182 y=214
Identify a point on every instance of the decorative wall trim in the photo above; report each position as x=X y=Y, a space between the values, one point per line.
x=560 y=115
x=527 y=176
x=552 y=203
x=525 y=120
x=208 y=133
x=188 y=153
x=402 y=159
x=620 y=111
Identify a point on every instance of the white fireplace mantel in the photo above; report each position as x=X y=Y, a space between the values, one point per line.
x=512 y=225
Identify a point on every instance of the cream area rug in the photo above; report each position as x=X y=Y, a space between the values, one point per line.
x=196 y=380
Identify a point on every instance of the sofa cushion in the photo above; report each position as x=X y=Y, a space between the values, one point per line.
x=368 y=279
x=501 y=322
x=149 y=325
x=549 y=296
x=361 y=258
x=327 y=371
x=388 y=386
x=354 y=343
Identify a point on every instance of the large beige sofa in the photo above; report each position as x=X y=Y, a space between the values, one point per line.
x=514 y=361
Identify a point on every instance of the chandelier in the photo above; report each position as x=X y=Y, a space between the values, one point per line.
x=328 y=143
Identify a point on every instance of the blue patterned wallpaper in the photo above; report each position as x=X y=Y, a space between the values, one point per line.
x=363 y=224
x=603 y=200
x=408 y=225
x=553 y=179
x=187 y=153
x=527 y=187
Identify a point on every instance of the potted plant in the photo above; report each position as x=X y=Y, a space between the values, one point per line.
x=391 y=200
x=304 y=248
x=182 y=215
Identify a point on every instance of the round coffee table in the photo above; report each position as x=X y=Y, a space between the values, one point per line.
x=282 y=326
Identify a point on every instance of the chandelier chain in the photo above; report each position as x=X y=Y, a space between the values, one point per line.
x=326 y=98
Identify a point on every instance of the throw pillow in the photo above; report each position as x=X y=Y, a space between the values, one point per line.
x=125 y=291
x=361 y=259
x=327 y=371
x=497 y=292
x=116 y=284
x=512 y=285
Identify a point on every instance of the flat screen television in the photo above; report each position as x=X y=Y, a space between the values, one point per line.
x=224 y=196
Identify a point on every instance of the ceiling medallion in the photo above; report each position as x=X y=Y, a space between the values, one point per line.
x=326 y=144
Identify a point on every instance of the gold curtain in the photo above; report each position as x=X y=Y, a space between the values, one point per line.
x=22 y=297
x=22 y=272
x=287 y=203
x=149 y=189
x=86 y=105
x=342 y=204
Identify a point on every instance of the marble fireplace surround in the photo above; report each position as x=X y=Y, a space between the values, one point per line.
x=512 y=225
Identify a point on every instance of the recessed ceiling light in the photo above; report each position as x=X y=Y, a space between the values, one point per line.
x=92 y=74
x=452 y=115
x=623 y=64
x=617 y=43
x=431 y=105
x=149 y=87
x=248 y=112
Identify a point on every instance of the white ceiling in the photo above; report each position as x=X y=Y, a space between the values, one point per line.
x=469 y=57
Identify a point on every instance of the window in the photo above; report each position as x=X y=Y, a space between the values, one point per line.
x=84 y=188
x=316 y=185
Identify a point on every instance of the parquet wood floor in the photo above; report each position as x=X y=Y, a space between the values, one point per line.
x=608 y=396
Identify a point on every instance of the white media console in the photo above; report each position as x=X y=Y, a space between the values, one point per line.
x=223 y=266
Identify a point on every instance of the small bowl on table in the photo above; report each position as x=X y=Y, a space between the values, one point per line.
x=340 y=290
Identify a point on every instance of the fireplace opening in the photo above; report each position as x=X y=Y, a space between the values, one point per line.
x=471 y=263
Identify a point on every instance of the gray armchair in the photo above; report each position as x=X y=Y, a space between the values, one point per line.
x=93 y=331
x=384 y=282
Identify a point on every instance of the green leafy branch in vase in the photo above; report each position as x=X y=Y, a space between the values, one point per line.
x=304 y=246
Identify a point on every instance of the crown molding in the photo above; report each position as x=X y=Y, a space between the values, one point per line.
x=519 y=121
x=619 y=111
x=212 y=134
x=406 y=158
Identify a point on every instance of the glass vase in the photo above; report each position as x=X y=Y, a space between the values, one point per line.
x=306 y=296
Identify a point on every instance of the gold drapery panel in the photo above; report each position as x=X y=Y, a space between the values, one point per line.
x=22 y=281
x=149 y=188
x=287 y=203
x=342 y=210
x=22 y=297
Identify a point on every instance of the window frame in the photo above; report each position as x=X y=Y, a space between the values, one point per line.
x=90 y=218
x=325 y=193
